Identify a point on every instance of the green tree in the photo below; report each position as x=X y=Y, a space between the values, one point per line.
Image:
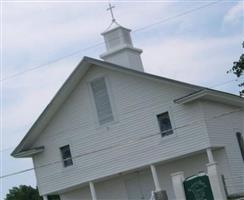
x=238 y=70
x=23 y=192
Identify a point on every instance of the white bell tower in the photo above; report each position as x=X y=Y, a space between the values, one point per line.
x=120 y=49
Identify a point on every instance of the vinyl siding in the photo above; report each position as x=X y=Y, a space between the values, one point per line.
x=222 y=132
x=132 y=141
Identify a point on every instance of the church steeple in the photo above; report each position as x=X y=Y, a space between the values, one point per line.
x=119 y=46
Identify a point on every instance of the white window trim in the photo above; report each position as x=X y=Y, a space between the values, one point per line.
x=170 y=112
x=62 y=155
x=62 y=167
x=111 y=99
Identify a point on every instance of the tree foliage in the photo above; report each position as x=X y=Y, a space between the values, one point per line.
x=23 y=192
x=238 y=70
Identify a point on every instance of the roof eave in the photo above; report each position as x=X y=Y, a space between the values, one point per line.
x=209 y=94
x=28 y=153
x=140 y=73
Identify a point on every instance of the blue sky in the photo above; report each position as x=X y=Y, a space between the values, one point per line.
x=197 y=48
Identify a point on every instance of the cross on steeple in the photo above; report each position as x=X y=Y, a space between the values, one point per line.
x=110 y=8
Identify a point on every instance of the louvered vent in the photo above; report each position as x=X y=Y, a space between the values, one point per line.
x=102 y=101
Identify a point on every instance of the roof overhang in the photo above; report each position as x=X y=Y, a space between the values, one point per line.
x=212 y=95
x=119 y=49
x=29 y=152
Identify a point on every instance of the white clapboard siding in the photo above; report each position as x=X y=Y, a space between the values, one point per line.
x=136 y=102
x=222 y=132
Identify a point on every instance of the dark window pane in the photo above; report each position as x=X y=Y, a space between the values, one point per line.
x=66 y=156
x=68 y=162
x=165 y=124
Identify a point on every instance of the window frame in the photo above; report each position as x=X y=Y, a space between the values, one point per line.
x=67 y=159
x=171 y=123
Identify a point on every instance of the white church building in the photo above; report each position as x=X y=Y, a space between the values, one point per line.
x=116 y=132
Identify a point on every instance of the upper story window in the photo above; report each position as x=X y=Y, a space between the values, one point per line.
x=66 y=155
x=164 y=124
x=102 y=101
x=240 y=140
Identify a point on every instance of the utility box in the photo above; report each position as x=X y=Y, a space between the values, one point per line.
x=198 y=188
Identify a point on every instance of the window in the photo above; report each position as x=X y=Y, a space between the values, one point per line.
x=66 y=156
x=241 y=143
x=164 y=124
x=102 y=101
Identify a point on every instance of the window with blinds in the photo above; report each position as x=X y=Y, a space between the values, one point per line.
x=102 y=101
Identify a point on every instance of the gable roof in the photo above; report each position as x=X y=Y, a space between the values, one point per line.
x=70 y=85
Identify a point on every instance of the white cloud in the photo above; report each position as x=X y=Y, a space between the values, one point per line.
x=198 y=61
x=235 y=14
